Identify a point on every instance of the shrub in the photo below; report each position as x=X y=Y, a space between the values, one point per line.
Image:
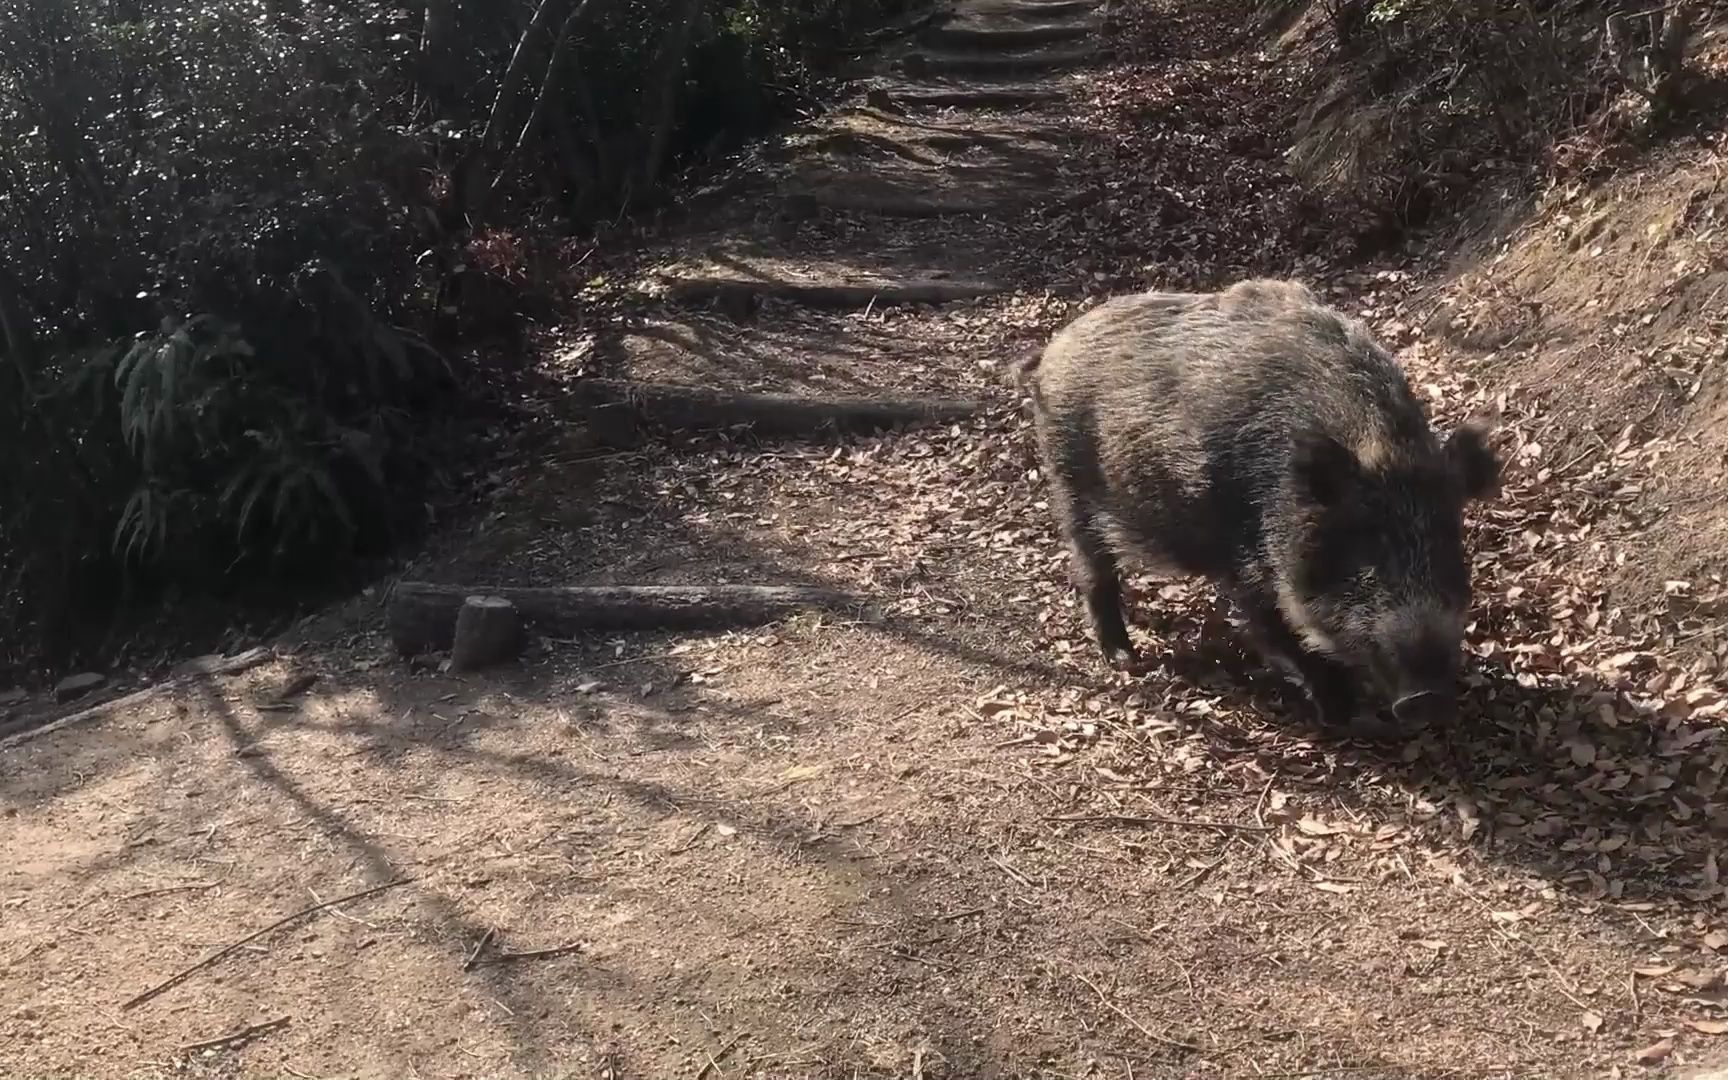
x=1428 y=92
x=233 y=234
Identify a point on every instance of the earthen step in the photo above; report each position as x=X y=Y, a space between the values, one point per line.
x=1027 y=10
x=977 y=64
x=973 y=36
x=968 y=97
x=914 y=205
x=740 y=295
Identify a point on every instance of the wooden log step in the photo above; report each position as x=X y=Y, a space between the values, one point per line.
x=421 y=616
x=616 y=405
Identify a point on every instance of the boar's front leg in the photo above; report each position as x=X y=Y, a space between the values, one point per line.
x=1329 y=684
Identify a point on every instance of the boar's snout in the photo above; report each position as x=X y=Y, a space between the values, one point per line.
x=1417 y=662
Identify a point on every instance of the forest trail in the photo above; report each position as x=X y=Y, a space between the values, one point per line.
x=931 y=837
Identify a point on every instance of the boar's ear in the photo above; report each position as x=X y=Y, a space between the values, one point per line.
x=1474 y=462
x=1325 y=469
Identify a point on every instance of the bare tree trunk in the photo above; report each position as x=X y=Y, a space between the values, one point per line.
x=673 y=53
x=470 y=189
x=549 y=88
x=439 y=71
x=603 y=162
x=576 y=166
x=516 y=74
x=21 y=354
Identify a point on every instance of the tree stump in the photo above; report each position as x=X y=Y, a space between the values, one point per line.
x=488 y=631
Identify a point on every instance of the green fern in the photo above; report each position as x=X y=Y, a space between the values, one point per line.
x=142 y=530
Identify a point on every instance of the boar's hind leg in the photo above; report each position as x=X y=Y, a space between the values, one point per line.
x=1098 y=578
x=1329 y=684
x=1096 y=575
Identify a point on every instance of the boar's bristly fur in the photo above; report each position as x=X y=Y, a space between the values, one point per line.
x=1265 y=441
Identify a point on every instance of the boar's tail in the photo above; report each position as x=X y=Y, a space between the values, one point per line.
x=1019 y=371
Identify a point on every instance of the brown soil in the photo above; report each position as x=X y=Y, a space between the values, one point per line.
x=1603 y=309
x=937 y=839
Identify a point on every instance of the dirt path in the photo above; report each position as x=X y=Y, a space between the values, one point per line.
x=933 y=840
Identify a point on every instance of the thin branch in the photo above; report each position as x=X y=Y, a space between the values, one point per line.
x=714 y=1058
x=1138 y=1026
x=549 y=85
x=514 y=75
x=191 y=886
x=1155 y=819
x=244 y=1033
x=531 y=954
x=479 y=947
x=185 y=973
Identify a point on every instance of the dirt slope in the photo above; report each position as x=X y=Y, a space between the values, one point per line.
x=933 y=838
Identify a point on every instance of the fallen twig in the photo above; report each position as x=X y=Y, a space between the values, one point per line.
x=701 y=831
x=1013 y=873
x=234 y=1037
x=1192 y=879
x=531 y=954
x=479 y=947
x=1340 y=1070
x=1138 y=1026
x=714 y=1059
x=185 y=973
x=25 y=955
x=184 y=674
x=191 y=886
x=1154 y=819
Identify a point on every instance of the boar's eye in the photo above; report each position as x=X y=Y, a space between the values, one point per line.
x=1339 y=557
x=1325 y=470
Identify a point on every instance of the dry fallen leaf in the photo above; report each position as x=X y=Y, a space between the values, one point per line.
x=1655 y=1053
x=1716 y=939
x=1591 y=1021
x=1334 y=887
x=1654 y=972
x=1709 y=1027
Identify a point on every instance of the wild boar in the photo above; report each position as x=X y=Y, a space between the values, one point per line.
x=1267 y=442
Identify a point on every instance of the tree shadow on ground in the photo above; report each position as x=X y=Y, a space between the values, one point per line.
x=821 y=356
x=491 y=741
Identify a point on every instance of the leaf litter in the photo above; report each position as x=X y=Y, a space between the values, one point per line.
x=1580 y=791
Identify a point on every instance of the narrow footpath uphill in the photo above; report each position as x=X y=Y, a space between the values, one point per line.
x=922 y=833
